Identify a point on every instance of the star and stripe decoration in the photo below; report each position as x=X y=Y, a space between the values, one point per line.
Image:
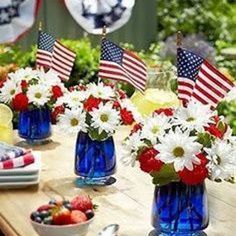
x=200 y=81
x=92 y=15
x=119 y=64
x=16 y=17
x=55 y=56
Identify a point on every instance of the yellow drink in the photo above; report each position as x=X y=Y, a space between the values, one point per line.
x=6 y=133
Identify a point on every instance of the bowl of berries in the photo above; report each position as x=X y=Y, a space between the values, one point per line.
x=64 y=217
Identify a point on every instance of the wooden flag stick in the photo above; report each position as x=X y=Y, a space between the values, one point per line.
x=179 y=38
x=40 y=25
x=104 y=32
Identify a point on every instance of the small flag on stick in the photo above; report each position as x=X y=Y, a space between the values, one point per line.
x=119 y=64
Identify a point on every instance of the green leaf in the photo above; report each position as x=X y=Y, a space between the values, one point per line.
x=204 y=139
x=166 y=175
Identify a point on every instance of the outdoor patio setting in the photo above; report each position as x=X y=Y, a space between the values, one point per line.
x=117 y=118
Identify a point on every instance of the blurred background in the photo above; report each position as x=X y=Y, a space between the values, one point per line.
x=208 y=27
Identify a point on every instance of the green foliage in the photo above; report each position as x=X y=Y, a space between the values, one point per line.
x=214 y=18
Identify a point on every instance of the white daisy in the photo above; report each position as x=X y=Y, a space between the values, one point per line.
x=73 y=121
x=130 y=147
x=8 y=91
x=38 y=94
x=105 y=118
x=179 y=148
x=49 y=78
x=154 y=126
x=195 y=116
x=22 y=74
x=74 y=98
x=100 y=91
x=222 y=160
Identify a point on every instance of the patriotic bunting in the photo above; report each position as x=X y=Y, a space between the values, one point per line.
x=200 y=81
x=119 y=64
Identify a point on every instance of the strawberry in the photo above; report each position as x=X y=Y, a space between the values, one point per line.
x=61 y=216
x=77 y=217
x=45 y=207
x=82 y=203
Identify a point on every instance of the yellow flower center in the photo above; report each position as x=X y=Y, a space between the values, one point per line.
x=13 y=91
x=178 y=151
x=38 y=95
x=104 y=117
x=190 y=119
x=74 y=122
x=155 y=129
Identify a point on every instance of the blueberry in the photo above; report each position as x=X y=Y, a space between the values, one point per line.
x=38 y=220
x=44 y=214
x=48 y=220
x=89 y=214
x=34 y=215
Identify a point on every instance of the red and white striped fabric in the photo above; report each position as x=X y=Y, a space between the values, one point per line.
x=21 y=161
x=211 y=85
x=62 y=60
x=119 y=64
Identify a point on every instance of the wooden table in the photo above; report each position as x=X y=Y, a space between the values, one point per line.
x=127 y=202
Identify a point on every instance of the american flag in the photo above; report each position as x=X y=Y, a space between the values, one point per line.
x=119 y=64
x=200 y=81
x=52 y=54
x=45 y=49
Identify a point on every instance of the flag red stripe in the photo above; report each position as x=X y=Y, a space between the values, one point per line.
x=61 y=65
x=204 y=92
x=65 y=49
x=58 y=58
x=132 y=55
x=60 y=71
x=63 y=54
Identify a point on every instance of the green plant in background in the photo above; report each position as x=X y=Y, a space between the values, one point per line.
x=214 y=18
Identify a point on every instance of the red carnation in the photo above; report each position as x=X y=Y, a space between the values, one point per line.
x=197 y=175
x=92 y=103
x=24 y=85
x=136 y=128
x=148 y=162
x=212 y=129
x=126 y=116
x=56 y=112
x=116 y=105
x=56 y=91
x=20 y=102
x=2 y=81
x=166 y=111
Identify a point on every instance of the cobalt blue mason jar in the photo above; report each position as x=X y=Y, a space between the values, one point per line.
x=180 y=209
x=35 y=125
x=94 y=159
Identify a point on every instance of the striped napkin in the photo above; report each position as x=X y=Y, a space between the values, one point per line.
x=21 y=161
x=9 y=152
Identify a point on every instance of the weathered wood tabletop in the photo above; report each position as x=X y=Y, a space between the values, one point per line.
x=127 y=202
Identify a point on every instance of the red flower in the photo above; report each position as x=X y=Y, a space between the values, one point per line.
x=2 y=81
x=71 y=89
x=197 y=175
x=148 y=162
x=92 y=103
x=136 y=127
x=166 y=111
x=126 y=116
x=20 y=102
x=56 y=91
x=24 y=85
x=56 y=112
x=122 y=94
x=212 y=129
x=116 y=105
x=82 y=87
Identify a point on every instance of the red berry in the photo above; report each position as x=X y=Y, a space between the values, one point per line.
x=62 y=217
x=24 y=85
x=148 y=161
x=82 y=203
x=77 y=217
x=45 y=207
x=20 y=102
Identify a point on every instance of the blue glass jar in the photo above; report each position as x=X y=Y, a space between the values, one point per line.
x=180 y=209
x=94 y=159
x=35 y=125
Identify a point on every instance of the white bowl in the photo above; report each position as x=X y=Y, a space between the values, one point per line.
x=80 y=229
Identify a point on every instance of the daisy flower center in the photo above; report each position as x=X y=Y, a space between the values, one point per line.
x=178 y=151
x=12 y=92
x=190 y=119
x=74 y=122
x=104 y=117
x=155 y=129
x=38 y=95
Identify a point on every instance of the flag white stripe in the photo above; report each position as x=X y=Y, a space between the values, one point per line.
x=64 y=49
x=206 y=99
x=186 y=80
x=63 y=54
x=60 y=70
x=185 y=88
x=126 y=55
x=130 y=64
x=62 y=65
